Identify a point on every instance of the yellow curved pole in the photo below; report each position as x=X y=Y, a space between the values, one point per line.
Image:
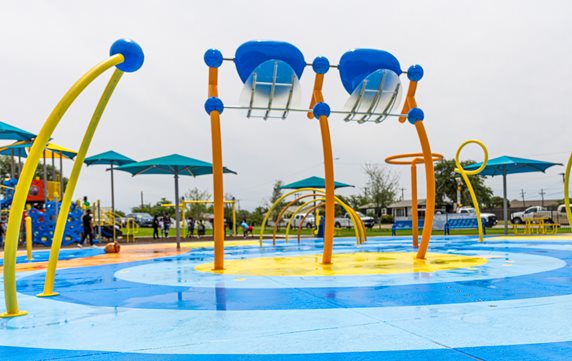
x=359 y=227
x=72 y=182
x=29 y=238
x=300 y=225
x=275 y=204
x=316 y=190
x=358 y=230
x=567 y=191
x=21 y=192
x=465 y=174
x=302 y=206
x=282 y=211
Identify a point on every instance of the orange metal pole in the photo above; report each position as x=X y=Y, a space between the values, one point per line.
x=218 y=191
x=317 y=93
x=414 y=211
x=329 y=176
x=430 y=185
x=409 y=100
x=318 y=97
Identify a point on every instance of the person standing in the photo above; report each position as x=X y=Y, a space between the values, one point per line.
x=190 y=227
x=87 y=229
x=166 y=225
x=156 y=227
x=85 y=205
x=244 y=226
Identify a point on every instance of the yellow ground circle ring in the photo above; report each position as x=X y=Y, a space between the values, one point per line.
x=345 y=264
x=485 y=160
x=417 y=158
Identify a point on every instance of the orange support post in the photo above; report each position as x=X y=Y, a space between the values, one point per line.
x=414 y=210
x=398 y=159
x=428 y=160
x=430 y=185
x=330 y=189
x=218 y=190
x=317 y=97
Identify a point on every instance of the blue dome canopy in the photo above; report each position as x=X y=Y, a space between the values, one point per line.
x=251 y=54
x=355 y=65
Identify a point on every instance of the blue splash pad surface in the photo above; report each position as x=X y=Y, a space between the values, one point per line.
x=515 y=307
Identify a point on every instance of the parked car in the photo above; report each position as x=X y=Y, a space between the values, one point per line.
x=531 y=212
x=142 y=219
x=557 y=216
x=490 y=218
x=346 y=221
x=561 y=216
x=309 y=222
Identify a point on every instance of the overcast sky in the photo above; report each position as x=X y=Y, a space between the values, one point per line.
x=498 y=71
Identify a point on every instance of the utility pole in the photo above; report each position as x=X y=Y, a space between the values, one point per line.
x=141 y=199
x=542 y=193
x=522 y=192
x=563 y=177
x=402 y=190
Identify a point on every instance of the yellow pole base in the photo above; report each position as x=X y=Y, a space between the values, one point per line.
x=10 y=315
x=52 y=294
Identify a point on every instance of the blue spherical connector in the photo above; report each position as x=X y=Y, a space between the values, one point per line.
x=214 y=104
x=415 y=72
x=321 y=65
x=321 y=109
x=132 y=54
x=415 y=115
x=213 y=58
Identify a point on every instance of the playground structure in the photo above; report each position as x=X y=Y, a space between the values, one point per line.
x=43 y=224
x=359 y=228
x=126 y=56
x=416 y=158
x=271 y=70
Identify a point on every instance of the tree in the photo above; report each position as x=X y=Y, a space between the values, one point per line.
x=156 y=209
x=5 y=169
x=257 y=216
x=276 y=194
x=355 y=200
x=381 y=186
x=496 y=202
x=198 y=210
x=446 y=184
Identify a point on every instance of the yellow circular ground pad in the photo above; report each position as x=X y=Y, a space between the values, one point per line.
x=345 y=264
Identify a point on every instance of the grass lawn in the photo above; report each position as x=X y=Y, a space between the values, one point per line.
x=344 y=232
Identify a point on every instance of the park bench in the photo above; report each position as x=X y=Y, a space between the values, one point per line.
x=404 y=226
x=464 y=223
